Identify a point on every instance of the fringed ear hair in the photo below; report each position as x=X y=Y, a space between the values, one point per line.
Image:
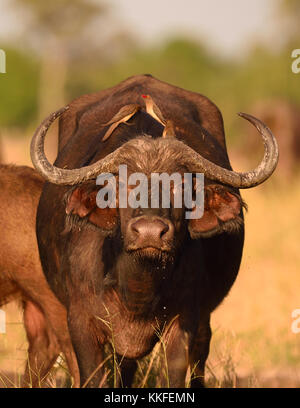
x=124 y=114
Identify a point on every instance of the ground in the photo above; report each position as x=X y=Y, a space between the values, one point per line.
x=253 y=344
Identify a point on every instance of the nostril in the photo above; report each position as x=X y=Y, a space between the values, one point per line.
x=164 y=230
x=135 y=228
x=139 y=227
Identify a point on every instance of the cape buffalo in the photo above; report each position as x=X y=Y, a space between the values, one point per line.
x=126 y=275
x=22 y=278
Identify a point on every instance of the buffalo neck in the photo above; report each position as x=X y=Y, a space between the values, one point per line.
x=143 y=284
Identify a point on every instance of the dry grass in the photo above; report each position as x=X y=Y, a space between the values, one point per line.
x=252 y=344
x=252 y=327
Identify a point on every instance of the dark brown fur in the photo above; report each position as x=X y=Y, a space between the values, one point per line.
x=21 y=276
x=112 y=292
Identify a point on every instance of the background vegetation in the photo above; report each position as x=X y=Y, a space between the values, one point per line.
x=253 y=344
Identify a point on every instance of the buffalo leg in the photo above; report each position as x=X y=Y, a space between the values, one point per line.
x=43 y=348
x=126 y=371
x=88 y=350
x=54 y=316
x=198 y=354
x=174 y=357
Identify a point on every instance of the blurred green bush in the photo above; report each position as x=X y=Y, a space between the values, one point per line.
x=232 y=85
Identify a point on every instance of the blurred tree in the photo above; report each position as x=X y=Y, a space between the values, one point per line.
x=289 y=14
x=55 y=28
x=18 y=89
x=84 y=51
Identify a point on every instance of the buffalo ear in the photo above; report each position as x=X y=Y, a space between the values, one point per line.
x=222 y=210
x=83 y=204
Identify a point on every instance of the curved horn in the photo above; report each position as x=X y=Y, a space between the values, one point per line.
x=235 y=179
x=58 y=175
x=196 y=162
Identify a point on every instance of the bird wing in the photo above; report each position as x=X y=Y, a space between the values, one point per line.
x=124 y=114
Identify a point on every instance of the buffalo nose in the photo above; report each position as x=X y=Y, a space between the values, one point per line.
x=155 y=229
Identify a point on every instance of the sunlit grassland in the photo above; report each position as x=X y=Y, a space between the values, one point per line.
x=252 y=327
x=252 y=344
